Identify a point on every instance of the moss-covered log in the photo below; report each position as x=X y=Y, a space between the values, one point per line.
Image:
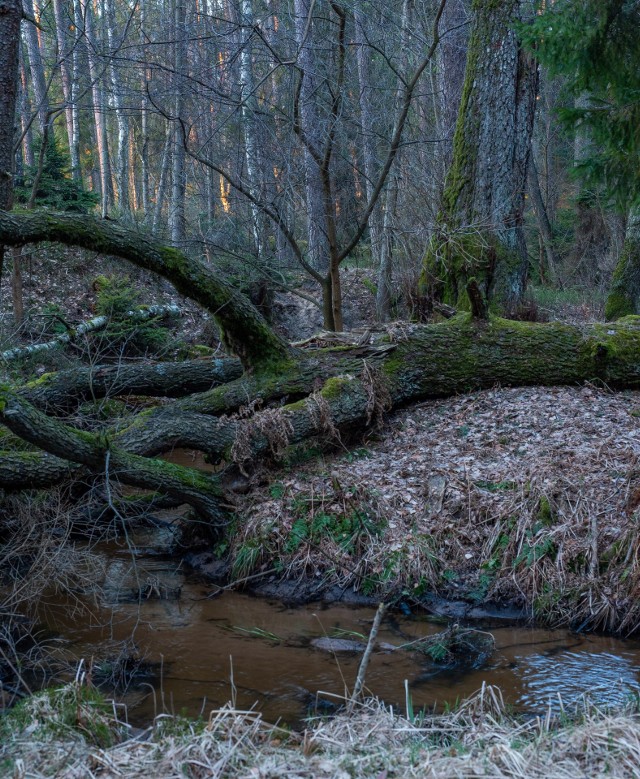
x=63 y=391
x=243 y=328
x=332 y=391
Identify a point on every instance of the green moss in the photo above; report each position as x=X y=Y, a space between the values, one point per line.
x=63 y=712
x=625 y=284
x=335 y=386
x=41 y=381
x=545 y=514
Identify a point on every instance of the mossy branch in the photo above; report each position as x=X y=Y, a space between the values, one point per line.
x=96 y=452
x=243 y=328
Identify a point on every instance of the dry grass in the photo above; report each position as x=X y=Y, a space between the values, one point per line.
x=479 y=739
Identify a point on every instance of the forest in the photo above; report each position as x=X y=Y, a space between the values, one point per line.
x=327 y=302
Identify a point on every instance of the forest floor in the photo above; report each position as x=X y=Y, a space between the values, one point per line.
x=522 y=496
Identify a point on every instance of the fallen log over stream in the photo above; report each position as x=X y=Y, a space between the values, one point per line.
x=281 y=395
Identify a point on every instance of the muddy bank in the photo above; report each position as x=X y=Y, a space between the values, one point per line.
x=303 y=591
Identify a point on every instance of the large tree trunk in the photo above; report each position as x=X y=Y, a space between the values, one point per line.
x=624 y=294
x=10 y=16
x=302 y=394
x=479 y=233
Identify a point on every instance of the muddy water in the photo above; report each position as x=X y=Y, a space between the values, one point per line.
x=260 y=653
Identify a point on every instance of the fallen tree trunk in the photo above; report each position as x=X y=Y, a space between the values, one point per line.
x=91 y=326
x=287 y=397
x=329 y=393
x=63 y=391
x=243 y=328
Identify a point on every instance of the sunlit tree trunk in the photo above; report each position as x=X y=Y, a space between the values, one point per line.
x=117 y=99
x=84 y=18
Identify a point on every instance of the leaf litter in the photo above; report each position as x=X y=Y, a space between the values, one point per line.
x=527 y=496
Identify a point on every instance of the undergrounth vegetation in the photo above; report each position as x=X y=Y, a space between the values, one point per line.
x=72 y=732
x=528 y=497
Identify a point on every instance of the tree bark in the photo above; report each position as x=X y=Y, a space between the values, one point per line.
x=479 y=232
x=122 y=120
x=177 y=216
x=10 y=16
x=36 y=67
x=83 y=15
x=624 y=294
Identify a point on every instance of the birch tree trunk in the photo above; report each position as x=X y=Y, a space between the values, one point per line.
x=117 y=96
x=479 y=232
x=67 y=75
x=177 y=218
x=249 y=103
x=84 y=19
x=36 y=67
x=24 y=108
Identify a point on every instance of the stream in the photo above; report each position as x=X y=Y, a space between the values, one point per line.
x=205 y=651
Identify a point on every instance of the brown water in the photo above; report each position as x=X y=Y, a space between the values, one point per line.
x=258 y=652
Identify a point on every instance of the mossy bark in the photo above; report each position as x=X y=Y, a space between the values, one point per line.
x=624 y=293
x=57 y=393
x=479 y=231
